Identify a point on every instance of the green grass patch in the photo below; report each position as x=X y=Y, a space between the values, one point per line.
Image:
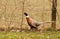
x=29 y=35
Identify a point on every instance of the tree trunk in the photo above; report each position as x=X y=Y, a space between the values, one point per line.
x=54 y=11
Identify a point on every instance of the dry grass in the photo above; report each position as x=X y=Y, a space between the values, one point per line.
x=11 y=12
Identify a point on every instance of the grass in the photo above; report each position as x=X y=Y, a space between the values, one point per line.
x=29 y=35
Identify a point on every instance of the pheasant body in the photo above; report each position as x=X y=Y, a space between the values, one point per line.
x=34 y=24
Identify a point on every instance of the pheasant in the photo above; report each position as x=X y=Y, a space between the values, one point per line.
x=33 y=23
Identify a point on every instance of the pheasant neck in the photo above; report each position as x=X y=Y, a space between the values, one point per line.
x=27 y=16
x=28 y=19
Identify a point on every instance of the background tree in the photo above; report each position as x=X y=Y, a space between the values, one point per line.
x=54 y=11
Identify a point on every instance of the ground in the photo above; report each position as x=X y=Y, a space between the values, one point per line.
x=30 y=35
